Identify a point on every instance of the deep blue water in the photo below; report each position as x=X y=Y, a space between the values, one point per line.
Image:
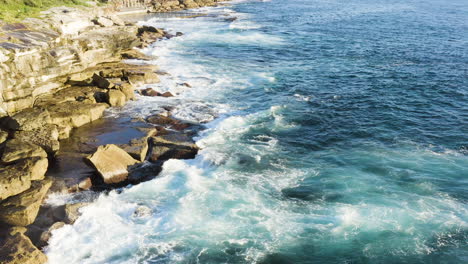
x=341 y=137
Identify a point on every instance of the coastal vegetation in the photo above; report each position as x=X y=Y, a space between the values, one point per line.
x=14 y=10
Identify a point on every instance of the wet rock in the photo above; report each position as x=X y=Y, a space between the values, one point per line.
x=22 y=209
x=18 y=249
x=166 y=121
x=16 y=149
x=172 y=146
x=167 y=94
x=150 y=92
x=68 y=213
x=111 y=162
x=142 y=211
x=46 y=137
x=178 y=34
x=47 y=234
x=116 y=98
x=138 y=147
x=186 y=85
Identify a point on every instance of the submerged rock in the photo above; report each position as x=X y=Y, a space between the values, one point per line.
x=138 y=147
x=111 y=162
x=22 y=209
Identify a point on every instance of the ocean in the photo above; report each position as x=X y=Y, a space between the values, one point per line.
x=335 y=132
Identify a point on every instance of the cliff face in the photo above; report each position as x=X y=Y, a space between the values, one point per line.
x=37 y=56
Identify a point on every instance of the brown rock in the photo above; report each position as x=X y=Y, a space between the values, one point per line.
x=75 y=114
x=150 y=92
x=22 y=209
x=3 y=136
x=128 y=90
x=46 y=137
x=16 y=149
x=116 y=98
x=138 y=147
x=167 y=94
x=135 y=55
x=111 y=162
x=28 y=119
x=102 y=82
x=173 y=146
x=16 y=178
x=18 y=249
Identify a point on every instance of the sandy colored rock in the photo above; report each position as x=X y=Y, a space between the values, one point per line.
x=135 y=55
x=28 y=119
x=138 y=147
x=128 y=90
x=16 y=149
x=22 y=209
x=18 y=249
x=46 y=137
x=103 y=22
x=116 y=98
x=76 y=114
x=3 y=136
x=111 y=162
x=16 y=178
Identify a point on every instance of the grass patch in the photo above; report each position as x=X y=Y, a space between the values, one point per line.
x=16 y=10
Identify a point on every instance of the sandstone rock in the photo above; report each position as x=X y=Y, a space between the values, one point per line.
x=3 y=136
x=102 y=82
x=103 y=22
x=135 y=55
x=128 y=90
x=16 y=178
x=22 y=209
x=138 y=147
x=172 y=146
x=167 y=94
x=16 y=149
x=75 y=114
x=149 y=92
x=28 y=119
x=166 y=121
x=117 y=20
x=46 y=235
x=116 y=98
x=45 y=137
x=111 y=162
x=18 y=249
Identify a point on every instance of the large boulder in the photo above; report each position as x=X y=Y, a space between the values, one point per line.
x=16 y=149
x=16 y=178
x=22 y=209
x=18 y=249
x=111 y=162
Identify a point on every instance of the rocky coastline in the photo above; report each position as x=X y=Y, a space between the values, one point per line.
x=58 y=75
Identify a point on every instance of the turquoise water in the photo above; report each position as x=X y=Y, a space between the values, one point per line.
x=336 y=132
